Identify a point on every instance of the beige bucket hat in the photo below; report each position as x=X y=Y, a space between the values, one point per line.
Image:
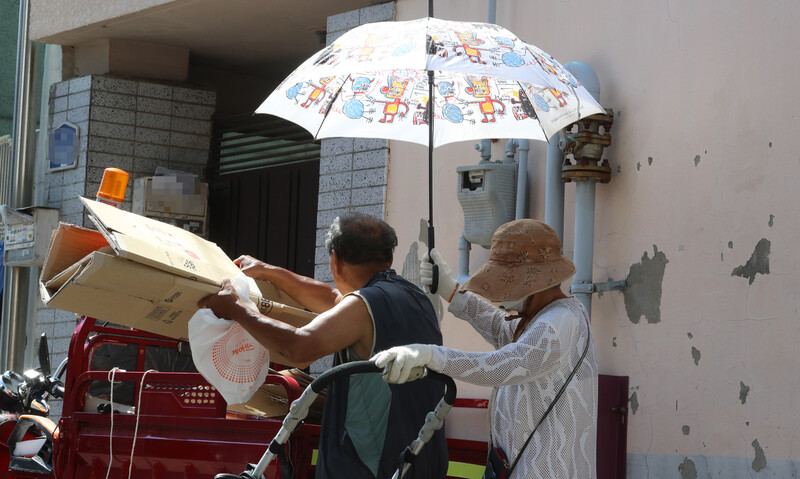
x=525 y=258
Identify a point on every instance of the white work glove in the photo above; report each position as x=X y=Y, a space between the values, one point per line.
x=447 y=284
x=403 y=363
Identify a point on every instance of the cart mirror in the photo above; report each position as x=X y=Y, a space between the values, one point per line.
x=44 y=355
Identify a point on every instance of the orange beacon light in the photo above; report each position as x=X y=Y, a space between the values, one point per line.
x=112 y=187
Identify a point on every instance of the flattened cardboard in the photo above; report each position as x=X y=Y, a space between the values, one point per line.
x=160 y=245
x=104 y=275
x=271 y=400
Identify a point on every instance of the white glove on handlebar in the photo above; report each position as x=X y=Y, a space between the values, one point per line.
x=447 y=284
x=402 y=362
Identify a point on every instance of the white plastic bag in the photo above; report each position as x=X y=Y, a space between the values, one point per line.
x=227 y=355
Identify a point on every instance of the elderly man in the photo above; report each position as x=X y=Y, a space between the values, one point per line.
x=366 y=422
x=543 y=368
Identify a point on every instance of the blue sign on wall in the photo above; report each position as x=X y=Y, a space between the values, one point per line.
x=63 y=147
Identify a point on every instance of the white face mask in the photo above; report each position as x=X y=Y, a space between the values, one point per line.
x=513 y=305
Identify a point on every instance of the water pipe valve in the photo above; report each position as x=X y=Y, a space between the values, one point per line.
x=585 y=141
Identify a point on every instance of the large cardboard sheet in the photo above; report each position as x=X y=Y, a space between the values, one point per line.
x=144 y=274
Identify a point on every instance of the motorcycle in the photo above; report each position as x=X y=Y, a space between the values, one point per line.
x=26 y=434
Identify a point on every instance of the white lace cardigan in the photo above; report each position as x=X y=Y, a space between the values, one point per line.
x=528 y=374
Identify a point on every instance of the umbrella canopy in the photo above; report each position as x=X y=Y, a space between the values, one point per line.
x=395 y=80
x=374 y=82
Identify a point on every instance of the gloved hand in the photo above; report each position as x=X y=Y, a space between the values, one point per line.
x=447 y=284
x=399 y=362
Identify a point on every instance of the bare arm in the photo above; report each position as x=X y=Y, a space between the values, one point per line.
x=348 y=324
x=313 y=295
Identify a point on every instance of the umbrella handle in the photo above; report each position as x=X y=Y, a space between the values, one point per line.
x=434 y=286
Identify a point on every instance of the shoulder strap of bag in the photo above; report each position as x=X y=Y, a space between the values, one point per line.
x=553 y=403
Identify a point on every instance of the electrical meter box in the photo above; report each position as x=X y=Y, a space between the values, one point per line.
x=487 y=193
x=173 y=200
x=27 y=233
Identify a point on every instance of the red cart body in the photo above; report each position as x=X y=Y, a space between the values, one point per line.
x=183 y=430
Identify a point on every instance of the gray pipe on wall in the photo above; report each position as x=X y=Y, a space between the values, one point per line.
x=554 y=188
x=584 y=203
x=584 y=239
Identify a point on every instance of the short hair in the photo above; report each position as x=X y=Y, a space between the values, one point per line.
x=358 y=238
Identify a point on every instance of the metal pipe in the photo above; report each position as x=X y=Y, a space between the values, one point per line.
x=464 y=246
x=554 y=188
x=584 y=239
x=17 y=279
x=522 y=179
x=485 y=149
x=584 y=207
x=486 y=145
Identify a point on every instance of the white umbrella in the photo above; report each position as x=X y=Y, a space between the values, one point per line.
x=378 y=81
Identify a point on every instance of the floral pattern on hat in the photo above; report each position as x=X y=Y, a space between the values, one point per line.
x=525 y=258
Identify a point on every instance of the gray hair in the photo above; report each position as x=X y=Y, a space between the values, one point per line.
x=359 y=238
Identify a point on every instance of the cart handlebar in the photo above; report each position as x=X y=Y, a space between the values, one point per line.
x=299 y=409
x=360 y=367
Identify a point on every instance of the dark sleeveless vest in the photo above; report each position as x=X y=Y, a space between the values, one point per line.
x=367 y=423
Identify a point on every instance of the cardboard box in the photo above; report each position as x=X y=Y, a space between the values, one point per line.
x=271 y=400
x=153 y=195
x=144 y=274
x=171 y=200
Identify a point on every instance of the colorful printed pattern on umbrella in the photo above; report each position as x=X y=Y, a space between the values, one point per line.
x=373 y=81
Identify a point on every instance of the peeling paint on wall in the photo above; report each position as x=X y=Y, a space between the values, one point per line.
x=411 y=264
x=423 y=231
x=696 y=355
x=686 y=430
x=687 y=469
x=757 y=264
x=411 y=268
x=743 y=392
x=634 y=401
x=760 y=461
x=643 y=294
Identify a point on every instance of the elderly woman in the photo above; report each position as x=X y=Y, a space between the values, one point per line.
x=544 y=369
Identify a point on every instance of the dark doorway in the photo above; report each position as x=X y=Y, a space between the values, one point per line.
x=263 y=191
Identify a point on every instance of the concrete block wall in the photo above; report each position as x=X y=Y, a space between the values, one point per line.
x=131 y=124
x=352 y=170
x=134 y=125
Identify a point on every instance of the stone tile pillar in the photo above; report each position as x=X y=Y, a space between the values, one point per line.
x=135 y=125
